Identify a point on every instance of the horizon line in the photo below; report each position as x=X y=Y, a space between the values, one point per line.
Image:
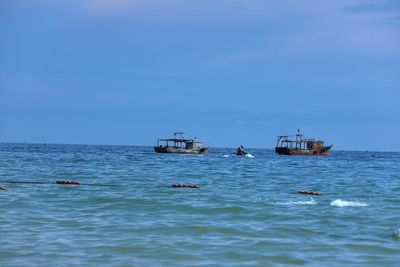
x=81 y=144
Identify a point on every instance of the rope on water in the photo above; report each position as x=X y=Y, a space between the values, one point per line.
x=64 y=182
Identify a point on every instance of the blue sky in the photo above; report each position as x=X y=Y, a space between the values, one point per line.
x=229 y=72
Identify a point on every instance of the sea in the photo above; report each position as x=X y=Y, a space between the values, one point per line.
x=246 y=211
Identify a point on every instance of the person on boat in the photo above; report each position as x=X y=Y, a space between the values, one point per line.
x=240 y=151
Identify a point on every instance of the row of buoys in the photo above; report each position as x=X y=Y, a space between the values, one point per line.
x=185 y=186
x=68 y=182
x=63 y=182
x=310 y=193
x=314 y=193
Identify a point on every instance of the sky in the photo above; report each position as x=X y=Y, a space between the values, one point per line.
x=234 y=72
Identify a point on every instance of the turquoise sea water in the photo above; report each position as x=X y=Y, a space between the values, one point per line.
x=247 y=212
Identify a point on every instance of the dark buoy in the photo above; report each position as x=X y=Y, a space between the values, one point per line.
x=185 y=185
x=68 y=182
x=310 y=193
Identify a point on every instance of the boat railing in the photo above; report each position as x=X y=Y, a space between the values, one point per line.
x=178 y=135
x=297 y=141
x=177 y=142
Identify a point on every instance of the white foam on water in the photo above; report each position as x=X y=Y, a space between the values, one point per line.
x=344 y=203
x=308 y=202
x=225 y=156
x=397 y=232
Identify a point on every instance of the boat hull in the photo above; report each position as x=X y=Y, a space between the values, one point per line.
x=179 y=150
x=324 y=151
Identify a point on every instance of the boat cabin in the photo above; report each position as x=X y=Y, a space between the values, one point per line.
x=179 y=144
x=300 y=142
x=300 y=145
x=179 y=141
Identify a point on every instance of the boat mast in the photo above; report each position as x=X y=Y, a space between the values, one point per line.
x=298 y=138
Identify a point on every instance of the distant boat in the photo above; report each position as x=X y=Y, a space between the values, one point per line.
x=180 y=144
x=300 y=145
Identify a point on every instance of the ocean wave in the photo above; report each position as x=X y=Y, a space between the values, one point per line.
x=308 y=202
x=344 y=203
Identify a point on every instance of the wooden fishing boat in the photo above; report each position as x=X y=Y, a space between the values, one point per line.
x=300 y=145
x=180 y=144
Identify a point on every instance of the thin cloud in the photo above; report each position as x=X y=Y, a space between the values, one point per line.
x=324 y=29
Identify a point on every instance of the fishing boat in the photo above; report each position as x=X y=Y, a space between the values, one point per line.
x=301 y=145
x=180 y=144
